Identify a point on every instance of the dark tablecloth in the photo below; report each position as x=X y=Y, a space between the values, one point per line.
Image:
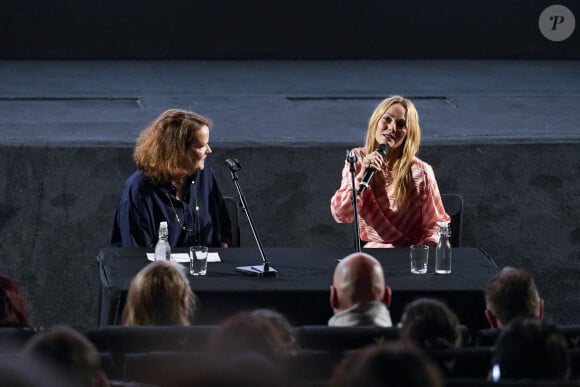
x=301 y=290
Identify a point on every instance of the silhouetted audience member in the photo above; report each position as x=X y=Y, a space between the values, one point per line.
x=13 y=308
x=394 y=364
x=250 y=351
x=529 y=348
x=245 y=332
x=509 y=294
x=281 y=324
x=430 y=324
x=16 y=371
x=160 y=295
x=358 y=294
x=69 y=353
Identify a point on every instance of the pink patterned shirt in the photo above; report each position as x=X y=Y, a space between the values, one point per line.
x=380 y=221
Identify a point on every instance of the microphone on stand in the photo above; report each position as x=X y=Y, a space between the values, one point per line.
x=263 y=270
x=383 y=149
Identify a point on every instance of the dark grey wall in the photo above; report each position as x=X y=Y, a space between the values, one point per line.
x=266 y=29
x=522 y=206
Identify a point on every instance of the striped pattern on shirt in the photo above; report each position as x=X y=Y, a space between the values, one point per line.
x=380 y=221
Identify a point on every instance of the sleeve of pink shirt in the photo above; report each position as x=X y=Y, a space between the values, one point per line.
x=341 y=202
x=433 y=210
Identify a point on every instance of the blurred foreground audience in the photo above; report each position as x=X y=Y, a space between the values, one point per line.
x=393 y=364
x=430 y=324
x=249 y=350
x=247 y=332
x=530 y=349
x=69 y=354
x=281 y=325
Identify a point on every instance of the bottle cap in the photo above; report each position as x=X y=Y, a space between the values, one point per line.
x=163 y=225
x=443 y=224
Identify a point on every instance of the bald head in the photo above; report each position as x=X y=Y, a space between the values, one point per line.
x=358 y=278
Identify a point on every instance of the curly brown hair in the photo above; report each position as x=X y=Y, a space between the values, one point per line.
x=163 y=150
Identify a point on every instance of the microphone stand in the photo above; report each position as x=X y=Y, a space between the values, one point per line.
x=264 y=270
x=351 y=160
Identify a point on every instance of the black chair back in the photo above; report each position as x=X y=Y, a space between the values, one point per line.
x=339 y=339
x=120 y=340
x=13 y=338
x=232 y=207
x=466 y=362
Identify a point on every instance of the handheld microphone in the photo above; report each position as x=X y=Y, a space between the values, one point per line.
x=383 y=149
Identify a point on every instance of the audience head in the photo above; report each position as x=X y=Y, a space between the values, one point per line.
x=509 y=294
x=69 y=354
x=160 y=295
x=246 y=369
x=281 y=324
x=531 y=349
x=388 y=365
x=17 y=371
x=430 y=324
x=245 y=332
x=358 y=278
x=13 y=312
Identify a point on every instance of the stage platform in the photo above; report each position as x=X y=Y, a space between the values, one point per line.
x=503 y=134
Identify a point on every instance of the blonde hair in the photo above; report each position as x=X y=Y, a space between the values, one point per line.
x=160 y=295
x=402 y=165
x=163 y=150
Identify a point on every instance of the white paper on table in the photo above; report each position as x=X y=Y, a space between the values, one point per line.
x=184 y=257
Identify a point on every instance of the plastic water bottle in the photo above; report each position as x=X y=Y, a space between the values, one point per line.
x=443 y=250
x=162 y=248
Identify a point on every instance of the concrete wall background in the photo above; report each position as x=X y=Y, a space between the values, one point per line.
x=522 y=206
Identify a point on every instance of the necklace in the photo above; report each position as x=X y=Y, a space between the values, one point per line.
x=195 y=233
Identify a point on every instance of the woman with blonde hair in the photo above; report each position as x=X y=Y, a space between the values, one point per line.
x=160 y=295
x=402 y=206
x=173 y=184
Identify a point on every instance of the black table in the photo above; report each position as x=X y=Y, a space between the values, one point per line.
x=301 y=290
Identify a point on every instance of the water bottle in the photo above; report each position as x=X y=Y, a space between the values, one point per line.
x=443 y=250
x=162 y=248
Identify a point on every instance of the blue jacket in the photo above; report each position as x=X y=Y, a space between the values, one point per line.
x=145 y=203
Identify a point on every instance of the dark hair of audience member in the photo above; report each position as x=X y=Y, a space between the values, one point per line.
x=392 y=364
x=244 y=332
x=160 y=295
x=249 y=349
x=430 y=324
x=282 y=326
x=17 y=371
x=13 y=308
x=70 y=354
x=512 y=293
x=529 y=348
